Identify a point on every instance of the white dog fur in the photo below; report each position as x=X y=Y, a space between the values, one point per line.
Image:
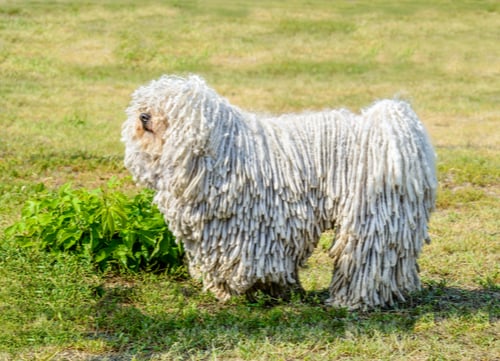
x=249 y=196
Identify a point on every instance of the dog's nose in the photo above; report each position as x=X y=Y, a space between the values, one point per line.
x=146 y=121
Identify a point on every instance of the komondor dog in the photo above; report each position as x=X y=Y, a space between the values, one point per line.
x=250 y=195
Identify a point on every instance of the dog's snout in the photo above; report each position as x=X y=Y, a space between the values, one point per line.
x=146 y=121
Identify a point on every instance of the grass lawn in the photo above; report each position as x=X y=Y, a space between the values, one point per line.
x=67 y=69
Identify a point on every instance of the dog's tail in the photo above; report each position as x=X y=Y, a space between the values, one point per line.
x=383 y=221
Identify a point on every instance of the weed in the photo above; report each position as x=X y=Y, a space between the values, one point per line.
x=103 y=226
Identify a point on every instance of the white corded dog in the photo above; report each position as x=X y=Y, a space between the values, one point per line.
x=249 y=196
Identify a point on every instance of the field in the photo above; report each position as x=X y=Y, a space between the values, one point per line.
x=67 y=69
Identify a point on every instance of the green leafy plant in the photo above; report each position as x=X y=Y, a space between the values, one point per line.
x=102 y=225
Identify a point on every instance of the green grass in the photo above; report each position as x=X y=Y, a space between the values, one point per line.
x=67 y=69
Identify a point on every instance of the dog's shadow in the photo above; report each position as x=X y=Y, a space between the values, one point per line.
x=198 y=322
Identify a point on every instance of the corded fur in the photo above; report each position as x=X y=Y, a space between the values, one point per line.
x=249 y=196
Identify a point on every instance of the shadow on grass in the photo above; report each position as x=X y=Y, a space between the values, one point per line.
x=200 y=324
x=447 y=301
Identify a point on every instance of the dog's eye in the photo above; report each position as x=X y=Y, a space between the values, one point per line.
x=144 y=117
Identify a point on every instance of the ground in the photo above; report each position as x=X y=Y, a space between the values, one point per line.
x=67 y=69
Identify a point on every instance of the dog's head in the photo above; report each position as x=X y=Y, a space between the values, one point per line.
x=149 y=114
x=161 y=114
